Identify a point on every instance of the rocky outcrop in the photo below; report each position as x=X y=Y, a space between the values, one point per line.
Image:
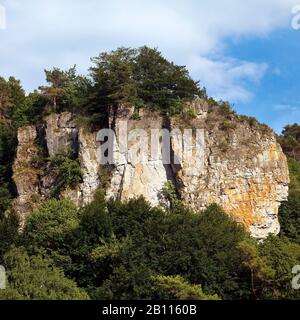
x=61 y=132
x=245 y=172
x=26 y=174
x=34 y=178
x=145 y=178
x=241 y=167
x=89 y=162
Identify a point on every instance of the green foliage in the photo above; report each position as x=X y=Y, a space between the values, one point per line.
x=9 y=235
x=263 y=128
x=282 y=256
x=142 y=77
x=290 y=141
x=115 y=249
x=170 y=194
x=67 y=171
x=5 y=99
x=113 y=76
x=94 y=231
x=260 y=271
x=12 y=96
x=176 y=288
x=5 y=198
x=189 y=114
x=66 y=90
x=7 y=152
x=294 y=169
x=50 y=223
x=105 y=174
x=289 y=217
x=130 y=250
x=201 y=248
x=16 y=108
x=289 y=212
x=30 y=111
x=162 y=83
x=270 y=266
x=225 y=109
x=49 y=230
x=35 y=278
x=135 y=116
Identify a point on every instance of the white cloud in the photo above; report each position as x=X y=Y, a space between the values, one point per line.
x=286 y=107
x=227 y=78
x=52 y=32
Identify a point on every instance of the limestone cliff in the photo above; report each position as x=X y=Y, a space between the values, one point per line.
x=26 y=174
x=244 y=169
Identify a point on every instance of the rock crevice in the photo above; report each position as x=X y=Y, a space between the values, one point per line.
x=243 y=167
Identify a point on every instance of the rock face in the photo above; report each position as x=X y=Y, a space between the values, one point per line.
x=61 y=132
x=245 y=172
x=89 y=162
x=26 y=176
x=145 y=178
x=35 y=181
x=242 y=167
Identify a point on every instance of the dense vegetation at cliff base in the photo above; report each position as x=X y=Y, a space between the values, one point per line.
x=114 y=250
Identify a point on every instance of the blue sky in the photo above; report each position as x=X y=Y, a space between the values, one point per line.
x=247 y=53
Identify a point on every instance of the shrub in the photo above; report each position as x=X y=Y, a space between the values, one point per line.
x=67 y=171
x=189 y=114
x=176 y=288
x=35 y=278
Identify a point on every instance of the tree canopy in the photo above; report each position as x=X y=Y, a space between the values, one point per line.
x=142 y=77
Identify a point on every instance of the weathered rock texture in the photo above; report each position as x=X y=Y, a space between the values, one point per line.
x=26 y=175
x=34 y=179
x=89 y=162
x=245 y=172
x=243 y=168
x=145 y=178
x=61 y=132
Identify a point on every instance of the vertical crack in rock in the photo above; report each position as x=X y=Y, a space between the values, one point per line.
x=89 y=165
x=61 y=132
x=245 y=170
x=131 y=180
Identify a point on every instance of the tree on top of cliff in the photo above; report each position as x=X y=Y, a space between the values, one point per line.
x=66 y=89
x=142 y=77
x=162 y=83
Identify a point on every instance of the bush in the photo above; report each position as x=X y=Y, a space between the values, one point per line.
x=189 y=114
x=176 y=288
x=35 y=278
x=9 y=232
x=67 y=171
x=49 y=230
